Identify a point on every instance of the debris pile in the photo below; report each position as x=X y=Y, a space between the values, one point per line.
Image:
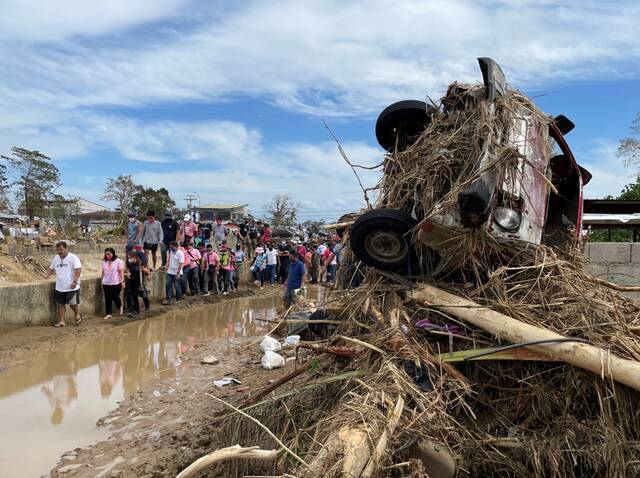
x=422 y=378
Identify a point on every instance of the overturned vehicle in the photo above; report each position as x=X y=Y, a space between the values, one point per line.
x=484 y=161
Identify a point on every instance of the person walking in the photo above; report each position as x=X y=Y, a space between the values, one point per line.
x=202 y=272
x=295 y=278
x=259 y=266
x=170 y=233
x=175 y=263
x=240 y=259
x=243 y=233
x=67 y=269
x=272 y=264
x=224 y=255
x=253 y=238
x=134 y=230
x=193 y=256
x=283 y=258
x=211 y=264
x=152 y=237
x=220 y=232
x=112 y=280
x=266 y=233
x=188 y=229
x=136 y=269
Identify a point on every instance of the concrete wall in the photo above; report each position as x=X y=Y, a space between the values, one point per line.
x=617 y=262
x=33 y=304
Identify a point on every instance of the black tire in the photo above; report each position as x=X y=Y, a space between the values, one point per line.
x=350 y=216
x=381 y=239
x=405 y=120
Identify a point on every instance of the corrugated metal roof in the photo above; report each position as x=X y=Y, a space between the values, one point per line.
x=223 y=206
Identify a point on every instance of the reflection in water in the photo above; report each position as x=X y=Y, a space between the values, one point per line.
x=51 y=404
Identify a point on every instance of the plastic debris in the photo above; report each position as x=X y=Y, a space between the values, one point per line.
x=269 y=344
x=272 y=360
x=226 y=381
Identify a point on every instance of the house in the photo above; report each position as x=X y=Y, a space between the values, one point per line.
x=228 y=212
x=75 y=206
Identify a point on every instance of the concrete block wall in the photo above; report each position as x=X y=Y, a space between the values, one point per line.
x=617 y=262
x=33 y=304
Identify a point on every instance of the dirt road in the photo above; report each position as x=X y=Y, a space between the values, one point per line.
x=140 y=382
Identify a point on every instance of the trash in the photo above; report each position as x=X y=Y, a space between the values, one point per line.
x=226 y=381
x=269 y=344
x=272 y=360
x=209 y=360
x=292 y=340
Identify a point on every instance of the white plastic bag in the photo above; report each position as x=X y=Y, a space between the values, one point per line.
x=272 y=360
x=292 y=340
x=269 y=344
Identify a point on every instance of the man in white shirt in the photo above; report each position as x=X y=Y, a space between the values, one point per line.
x=272 y=263
x=175 y=262
x=67 y=268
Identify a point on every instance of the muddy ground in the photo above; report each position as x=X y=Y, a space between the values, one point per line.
x=169 y=423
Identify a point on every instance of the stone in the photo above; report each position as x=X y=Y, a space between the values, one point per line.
x=436 y=459
x=209 y=360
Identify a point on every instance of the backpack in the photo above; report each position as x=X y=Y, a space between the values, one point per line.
x=253 y=232
x=224 y=258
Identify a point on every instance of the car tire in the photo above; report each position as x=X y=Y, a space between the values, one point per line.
x=381 y=239
x=406 y=119
x=344 y=218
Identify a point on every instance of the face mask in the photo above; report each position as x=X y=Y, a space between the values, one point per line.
x=132 y=219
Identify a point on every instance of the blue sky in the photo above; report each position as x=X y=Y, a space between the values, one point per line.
x=226 y=99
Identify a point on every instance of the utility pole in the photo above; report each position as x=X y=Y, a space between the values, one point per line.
x=190 y=198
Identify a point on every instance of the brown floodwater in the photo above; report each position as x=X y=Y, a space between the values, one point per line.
x=51 y=405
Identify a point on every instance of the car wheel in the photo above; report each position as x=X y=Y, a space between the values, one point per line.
x=381 y=239
x=404 y=120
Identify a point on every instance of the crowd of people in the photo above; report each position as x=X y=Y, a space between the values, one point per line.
x=198 y=259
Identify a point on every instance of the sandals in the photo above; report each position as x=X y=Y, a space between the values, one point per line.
x=78 y=320
x=107 y=317
x=59 y=325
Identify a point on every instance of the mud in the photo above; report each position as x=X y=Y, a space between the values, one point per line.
x=58 y=383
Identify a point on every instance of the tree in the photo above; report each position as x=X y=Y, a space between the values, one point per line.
x=36 y=178
x=313 y=226
x=629 y=147
x=283 y=211
x=4 y=189
x=631 y=192
x=157 y=200
x=120 y=190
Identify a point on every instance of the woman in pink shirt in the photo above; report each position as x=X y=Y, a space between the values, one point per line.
x=112 y=279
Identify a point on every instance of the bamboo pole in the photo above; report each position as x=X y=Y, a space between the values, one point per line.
x=230 y=453
x=586 y=356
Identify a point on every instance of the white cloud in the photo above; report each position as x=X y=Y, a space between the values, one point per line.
x=46 y=20
x=610 y=175
x=333 y=57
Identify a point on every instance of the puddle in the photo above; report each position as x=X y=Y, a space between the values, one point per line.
x=51 y=405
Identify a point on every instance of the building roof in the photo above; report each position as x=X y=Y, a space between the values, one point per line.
x=219 y=207
x=611 y=206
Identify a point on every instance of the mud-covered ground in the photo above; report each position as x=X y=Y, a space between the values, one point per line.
x=168 y=424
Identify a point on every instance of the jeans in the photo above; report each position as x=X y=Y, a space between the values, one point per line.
x=270 y=274
x=163 y=253
x=284 y=269
x=331 y=272
x=288 y=296
x=184 y=280
x=173 y=280
x=111 y=297
x=192 y=277
x=225 y=277
x=212 y=280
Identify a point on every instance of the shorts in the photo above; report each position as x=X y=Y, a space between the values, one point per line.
x=152 y=247
x=67 y=298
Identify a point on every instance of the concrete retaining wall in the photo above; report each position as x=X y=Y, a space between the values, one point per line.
x=33 y=304
x=617 y=262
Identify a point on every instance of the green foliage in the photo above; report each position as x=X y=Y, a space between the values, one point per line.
x=149 y=199
x=631 y=192
x=35 y=178
x=121 y=191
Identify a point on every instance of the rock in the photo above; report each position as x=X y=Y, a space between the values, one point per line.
x=209 y=360
x=435 y=458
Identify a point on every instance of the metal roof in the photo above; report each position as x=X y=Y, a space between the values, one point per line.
x=611 y=206
x=222 y=206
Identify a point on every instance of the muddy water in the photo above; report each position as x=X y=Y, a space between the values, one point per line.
x=51 y=405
